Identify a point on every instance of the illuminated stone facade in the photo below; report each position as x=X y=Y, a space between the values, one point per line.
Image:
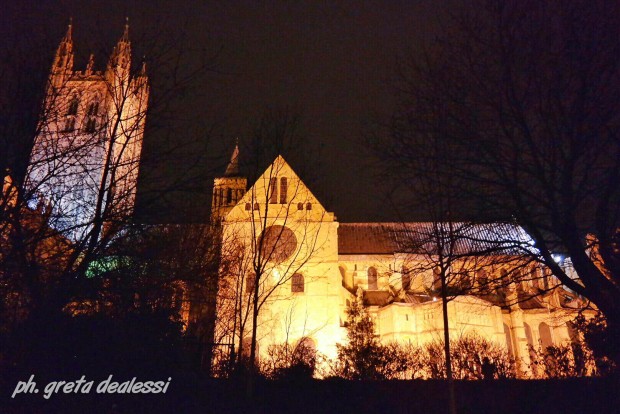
x=86 y=153
x=307 y=279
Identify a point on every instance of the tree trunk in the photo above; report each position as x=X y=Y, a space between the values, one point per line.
x=252 y=362
x=446 y=341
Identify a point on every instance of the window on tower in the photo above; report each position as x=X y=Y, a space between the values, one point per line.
x=73 y=106
x=93 y=108
x=229 y=196
x=69 y=125
x=91 y=125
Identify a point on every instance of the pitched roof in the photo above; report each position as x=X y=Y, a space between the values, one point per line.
x=422 y=237
x=298 y=193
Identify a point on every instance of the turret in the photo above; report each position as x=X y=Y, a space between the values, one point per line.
x=139 y=82
x=228 y=190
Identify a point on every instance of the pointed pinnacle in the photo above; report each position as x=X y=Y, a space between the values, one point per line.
x=125 y=36
x=69 y=29
x=233 y=166
x=143 y=68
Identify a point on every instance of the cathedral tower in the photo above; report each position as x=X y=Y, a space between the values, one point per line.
x=229 y=189
x=85 y=158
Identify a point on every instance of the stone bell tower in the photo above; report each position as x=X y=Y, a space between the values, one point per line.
x=228 y=189
x=86 y=155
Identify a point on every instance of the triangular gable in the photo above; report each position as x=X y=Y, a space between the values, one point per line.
x=279 y=192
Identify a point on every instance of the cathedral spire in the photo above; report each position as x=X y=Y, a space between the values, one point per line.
x=233 y=165
x=63 y=61
x=90 y=65
x=228 y=189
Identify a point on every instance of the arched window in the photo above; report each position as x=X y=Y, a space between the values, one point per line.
x=72 y=109
x=283 y=190
x=248 y=206
x=544 y=331
x=273 y=191
x=300 y=206
x=372 y=279
x=308 y=206
x=297 y=283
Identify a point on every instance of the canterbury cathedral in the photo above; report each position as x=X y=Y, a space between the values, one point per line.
x=299 y=268
x=289 y=269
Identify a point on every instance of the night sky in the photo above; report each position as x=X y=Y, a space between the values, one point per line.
x=332 y=63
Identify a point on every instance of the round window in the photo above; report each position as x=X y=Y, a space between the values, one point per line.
x=277 y=243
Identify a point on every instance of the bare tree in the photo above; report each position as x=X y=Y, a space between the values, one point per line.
x=278 y=230
x=526 y=96
x=77 y=199
x=455 y=253
x=468 y=357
